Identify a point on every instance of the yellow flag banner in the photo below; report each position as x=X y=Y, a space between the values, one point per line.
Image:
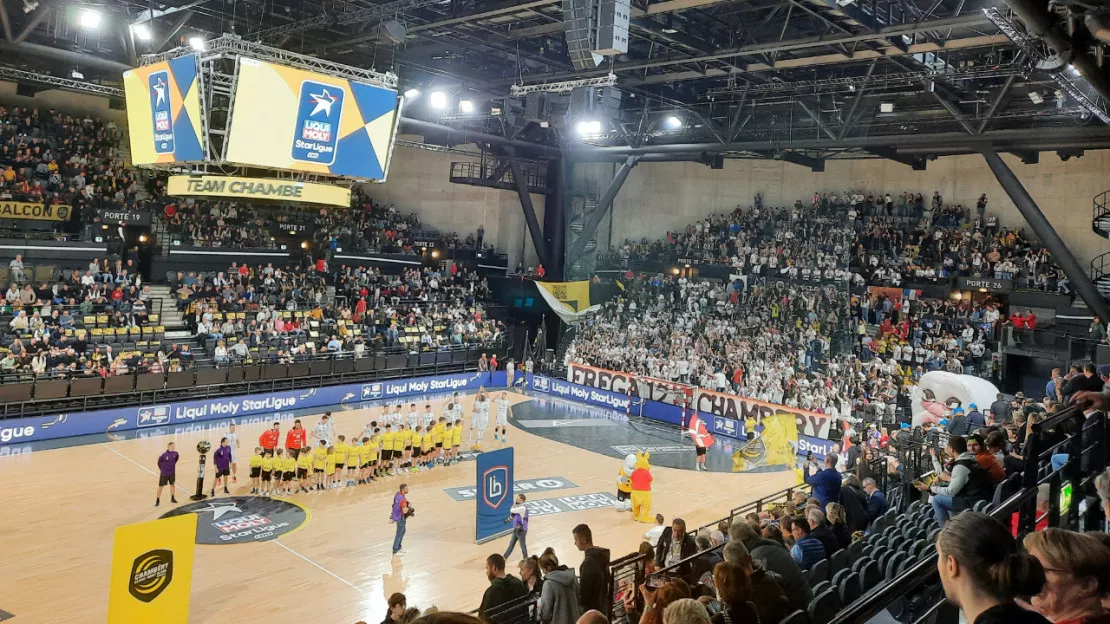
x=34 y=211
x=152 y=571
x=569 y=300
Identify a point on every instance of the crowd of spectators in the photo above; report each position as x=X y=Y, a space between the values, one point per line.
x=757 y=241
x=785 y=344
x=365 y=227
x=47 y=327
x=50 y=157
x=288 y=315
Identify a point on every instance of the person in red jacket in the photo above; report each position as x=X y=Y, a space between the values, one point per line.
x=296 y=439
x=270 y=438
x=1019 y=326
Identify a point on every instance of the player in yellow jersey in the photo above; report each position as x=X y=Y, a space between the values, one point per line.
x=364 y=468
x=456 y=441
x=304 y=466
x=388 y=436
x=319 y=459
x=406 y=459
x=375 y=454
x=428 y=446
x=329 y=469
x=354 y=461
x=417 y=440
x=288 y=471
x=279 y=462
x=256 y=469
x=267 y=470
x=441 y=437
x=340 y=457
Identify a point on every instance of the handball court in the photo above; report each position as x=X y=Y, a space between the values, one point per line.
x=64 y=503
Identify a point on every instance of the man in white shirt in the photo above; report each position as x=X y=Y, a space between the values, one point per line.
x=325 y=429
x=654 y=532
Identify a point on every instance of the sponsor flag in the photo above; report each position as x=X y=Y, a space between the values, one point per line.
x=495 y=494
x=152 y=571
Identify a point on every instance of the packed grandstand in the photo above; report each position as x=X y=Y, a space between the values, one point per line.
x=817 y=314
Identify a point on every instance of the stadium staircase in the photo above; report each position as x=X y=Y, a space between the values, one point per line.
x=172 y=319
x=1100 y=224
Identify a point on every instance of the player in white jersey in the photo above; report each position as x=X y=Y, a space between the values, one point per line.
x=428 y=418
x=325 y=429
x=233 y=441
x=479 y=418
x=501 y=428
x=413 y=417
x=397 y=418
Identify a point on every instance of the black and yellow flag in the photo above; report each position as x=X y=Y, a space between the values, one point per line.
x=152 y=571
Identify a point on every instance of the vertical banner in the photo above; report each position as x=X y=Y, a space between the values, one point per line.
x=152 y=571
x=495 y=494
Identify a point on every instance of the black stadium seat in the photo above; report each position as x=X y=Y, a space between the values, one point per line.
x=870 y=576
x=855 y=551
x=820 y=571
x=839 y=577
x=797 y=617
x=849 y=589
x=821 y=587
x=838 y=561
x=823 y=607
x=894 y=564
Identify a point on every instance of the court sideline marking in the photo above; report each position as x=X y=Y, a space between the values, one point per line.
x=274 y=541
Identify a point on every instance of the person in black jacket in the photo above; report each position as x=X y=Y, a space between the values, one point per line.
x=983 y=572
x=855 y=504
x=703 y=565
x=593 y=574
x=820 y=531
x=674 y=546
x=503 y=588
x=768 y=595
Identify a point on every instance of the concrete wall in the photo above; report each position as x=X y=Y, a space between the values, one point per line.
x=658 y=197
x=418 y=183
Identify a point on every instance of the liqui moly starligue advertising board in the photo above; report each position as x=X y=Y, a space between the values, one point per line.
x=53 y=426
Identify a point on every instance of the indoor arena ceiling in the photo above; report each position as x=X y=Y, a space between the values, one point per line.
x=808 y=78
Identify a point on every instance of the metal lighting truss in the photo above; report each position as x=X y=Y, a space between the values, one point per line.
x=840 y=82
x=1074 y=86
x=344 y=18
x=230 y=46
x=563 y=87
x=12 y=73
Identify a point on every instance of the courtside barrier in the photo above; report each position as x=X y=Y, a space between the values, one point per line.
x=37 y=428
x=676 y=415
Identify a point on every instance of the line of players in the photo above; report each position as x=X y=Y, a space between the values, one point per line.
x=394 y=446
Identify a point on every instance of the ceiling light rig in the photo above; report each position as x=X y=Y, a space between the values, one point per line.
x=563 y=87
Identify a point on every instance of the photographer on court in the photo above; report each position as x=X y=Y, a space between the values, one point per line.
x=402 y=511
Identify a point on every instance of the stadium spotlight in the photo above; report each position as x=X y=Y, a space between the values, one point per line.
x=435 y=253
x=466 y=106
x=676 y=271
x=142 y=238
x=196 y=42
x=304 y=244
x=673 y=123
x=412 y=94
x=89 y=19
x=589 y=127
x=141 y=32
x=439 y=100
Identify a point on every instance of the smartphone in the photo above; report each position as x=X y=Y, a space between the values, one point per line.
x=655 y=581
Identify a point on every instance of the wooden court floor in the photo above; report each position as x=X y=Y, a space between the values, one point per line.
x=62 y=506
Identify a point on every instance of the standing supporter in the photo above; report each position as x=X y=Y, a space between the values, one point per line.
x=593 y=574
x=559 y=596
x=503 y=588
x=674 y=546
x=827 y=482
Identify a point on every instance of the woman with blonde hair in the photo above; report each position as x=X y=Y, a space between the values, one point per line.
x=838 y=524
x=1077 y=576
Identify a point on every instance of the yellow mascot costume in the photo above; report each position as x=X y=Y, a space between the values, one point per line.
x=640 y=480
x=624 y=485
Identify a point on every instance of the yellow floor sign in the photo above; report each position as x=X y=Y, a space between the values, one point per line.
x=152 y=571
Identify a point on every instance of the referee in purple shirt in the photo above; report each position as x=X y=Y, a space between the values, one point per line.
x=222 y=459
x=167 y=473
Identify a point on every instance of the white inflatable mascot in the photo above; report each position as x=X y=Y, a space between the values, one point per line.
x=939 y=392
x=624 y=484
